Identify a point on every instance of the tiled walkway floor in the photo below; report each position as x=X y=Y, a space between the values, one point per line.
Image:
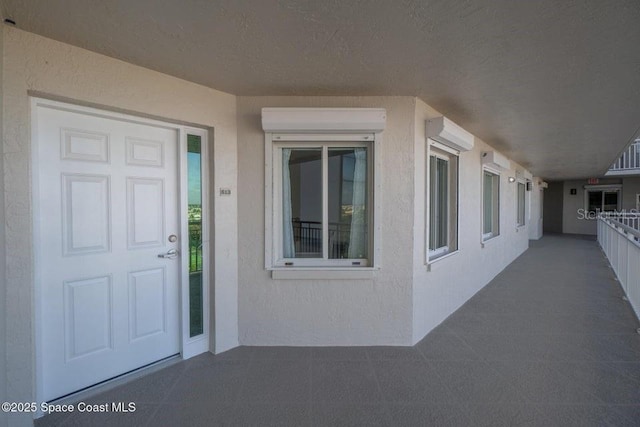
x=549 y=342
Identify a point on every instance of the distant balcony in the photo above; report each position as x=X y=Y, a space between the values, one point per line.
x=628 y=163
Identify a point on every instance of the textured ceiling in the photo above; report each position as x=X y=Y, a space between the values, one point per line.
x=553 y=84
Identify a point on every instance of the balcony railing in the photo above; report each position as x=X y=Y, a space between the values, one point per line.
x=629 y=160
x=195 y=246
x=619 y=237
x=307 y=237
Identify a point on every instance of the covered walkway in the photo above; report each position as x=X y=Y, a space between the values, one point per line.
x=549 y=342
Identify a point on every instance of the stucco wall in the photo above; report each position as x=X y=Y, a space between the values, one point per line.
x=572 y=221
x=34 y=64
x=535 y=209
x=3 y=290
x=453 y=280
x=561 y=209
x=630 y=187
x=328 y=312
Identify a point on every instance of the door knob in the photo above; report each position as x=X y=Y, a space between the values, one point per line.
x=171 y=254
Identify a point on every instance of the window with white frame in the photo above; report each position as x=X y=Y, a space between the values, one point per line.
x=323 y=201
x=442 y=185
x=319 y=196
x=602 y=199
x=521 y=200
x=490 y=204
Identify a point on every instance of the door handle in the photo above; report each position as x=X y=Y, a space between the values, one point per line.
x=170 y=254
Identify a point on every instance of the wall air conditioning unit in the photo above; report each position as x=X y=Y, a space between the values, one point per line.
x=496 y=160
x=529 y=185
x=450 y=134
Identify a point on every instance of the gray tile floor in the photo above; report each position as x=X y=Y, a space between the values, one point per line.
x=549 y=342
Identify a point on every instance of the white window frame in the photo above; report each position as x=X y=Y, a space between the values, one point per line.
x=446 y=153
x=601 y=188
x=355 y=141
x=518 y=183
x=274 y=142
x=495 y=231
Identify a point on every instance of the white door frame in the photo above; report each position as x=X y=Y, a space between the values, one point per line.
x=189 y=347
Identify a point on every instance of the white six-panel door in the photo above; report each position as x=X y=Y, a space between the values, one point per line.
x=107 y=206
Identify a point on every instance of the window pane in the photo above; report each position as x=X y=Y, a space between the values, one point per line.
x=347 y=203
x=610 y=201
x=443 y=205
x=443 y=202
x=521 y=203
x=452 y=214
x=487 y=203
x=302 y=202
x=433 y=204
x=595 y=201
x=194 y=186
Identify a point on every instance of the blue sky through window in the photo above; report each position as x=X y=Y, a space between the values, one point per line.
x=193 y=160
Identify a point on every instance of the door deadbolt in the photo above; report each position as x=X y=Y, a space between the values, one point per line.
x=173 y=238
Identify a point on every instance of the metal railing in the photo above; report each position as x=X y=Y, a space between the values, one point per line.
x=307 y=237
x=195 y=246
x=619 y=238
x=630 y=159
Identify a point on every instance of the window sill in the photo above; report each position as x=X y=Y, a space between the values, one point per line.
x=489 y=240
x=432 y=262
x=356 y=273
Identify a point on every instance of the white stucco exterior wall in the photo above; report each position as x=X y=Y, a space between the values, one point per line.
x=35 y=64
x=572 y=220
x=535 y=209
x=397 y=306
x=630 y=190
x=573 y=206
x=453 y=280
x=3 y=265
x=328 y=312
x=403 y=301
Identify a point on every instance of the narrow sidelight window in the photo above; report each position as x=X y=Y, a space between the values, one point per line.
x=194 y=186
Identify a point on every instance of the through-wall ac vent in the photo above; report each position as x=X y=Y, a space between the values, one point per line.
x=496 y=160
x=450 y=134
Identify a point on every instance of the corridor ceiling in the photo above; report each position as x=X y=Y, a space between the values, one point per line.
x=554 y=84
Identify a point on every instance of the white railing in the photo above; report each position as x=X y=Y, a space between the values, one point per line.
x=630 y=159
x=619 y=238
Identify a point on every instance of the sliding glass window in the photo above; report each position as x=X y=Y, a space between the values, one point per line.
x=443 y=203
x=490 y=205
x=324 y=204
